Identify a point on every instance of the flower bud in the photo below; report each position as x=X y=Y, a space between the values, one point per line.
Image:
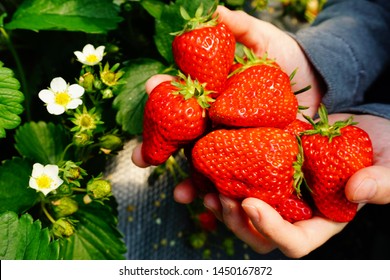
x=63 y=228
x=65 y=206
x=87 y=81
x=82 y=139
x=73 y=173
x=110 y=142
x=99 y=188
x=107 y=93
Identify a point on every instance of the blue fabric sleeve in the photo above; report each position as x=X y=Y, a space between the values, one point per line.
x=349 y=45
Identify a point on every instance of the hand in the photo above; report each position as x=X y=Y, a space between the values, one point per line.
x=263 y=37
x=262 y=228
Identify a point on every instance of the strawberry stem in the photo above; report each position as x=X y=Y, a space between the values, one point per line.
x=193 y=89
x=323 y=127
x=199 y=20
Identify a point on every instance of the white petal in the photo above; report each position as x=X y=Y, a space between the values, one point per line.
x=80 y=56
x=46 y=191
x=75 y=91
x=58 y=85
x=88 y=49
x=55 y=109
x=46 y=96
x=74 y=103
x=33 y=183
x=51 y=170
x=100 y=51
x=57 y=182
x=37 y=170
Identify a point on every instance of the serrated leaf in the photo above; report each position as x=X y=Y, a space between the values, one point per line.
x=42 y=142
x=96 y=236
x=88 y=16
x=131 y=96
x=10 y=100
x=15 y=194
x=24 y=239
x=153 y=7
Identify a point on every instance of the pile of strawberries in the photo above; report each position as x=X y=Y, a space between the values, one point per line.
x=237 y=120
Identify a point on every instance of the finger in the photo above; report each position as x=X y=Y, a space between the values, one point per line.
x=153 y=81
x=237 y=221
x=184 y=192
x=369 y=185
x=294 y=240
x=137 y=158
x=211 y=201
x=244 y=27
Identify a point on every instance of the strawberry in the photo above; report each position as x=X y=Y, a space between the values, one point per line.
x=248 y=162
x=256 y=94
x=207 y=221
x=204 y=49
x=333 y=153
x=297 y=127
x=294 y=209
x=174 y=115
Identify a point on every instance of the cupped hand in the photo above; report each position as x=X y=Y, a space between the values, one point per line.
x=262 y=228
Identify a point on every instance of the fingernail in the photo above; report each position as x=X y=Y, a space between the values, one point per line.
x=365 y=191
x=226 y=204
x=211 y=208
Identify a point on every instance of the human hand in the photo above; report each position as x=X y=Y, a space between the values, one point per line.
x=262 y=228
x=262 y=37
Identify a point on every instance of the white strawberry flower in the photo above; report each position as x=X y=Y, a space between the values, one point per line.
x=45 y=178
x=61 y=96
x=90 y=56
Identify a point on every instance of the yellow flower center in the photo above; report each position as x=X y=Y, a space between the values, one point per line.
x=44 y=181
x=62 y=98
x=92 y=58
x=87 y=122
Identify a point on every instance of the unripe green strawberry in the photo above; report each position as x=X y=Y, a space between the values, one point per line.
x=249 y=162
x=256 y=94
x=333 y=153
x=174 y=116
x=204 y=50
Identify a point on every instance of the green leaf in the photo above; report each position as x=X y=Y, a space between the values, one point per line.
x=96 y=236
x=42 y=142
x=24 y=239
x=131 y=96
x=153 y=7
x=88 y=16
x=15 y=194
x=10 y=100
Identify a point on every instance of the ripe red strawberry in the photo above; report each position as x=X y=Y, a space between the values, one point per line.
x=333 y=153
x=174 y=115
x=256 y=94
x=248 y=162
x=294 y=209
x=207 y=221
x=204 y=49
x=297 y=127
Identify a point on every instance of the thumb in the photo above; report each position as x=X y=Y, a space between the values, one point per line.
x=369 y=185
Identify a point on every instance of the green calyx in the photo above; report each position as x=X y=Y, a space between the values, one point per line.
x=199 y=20
x=251 y=59
x=193 y=89
x=298 y=176
x=323 y=127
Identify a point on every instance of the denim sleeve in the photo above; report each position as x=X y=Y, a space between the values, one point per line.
x=349 y=45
